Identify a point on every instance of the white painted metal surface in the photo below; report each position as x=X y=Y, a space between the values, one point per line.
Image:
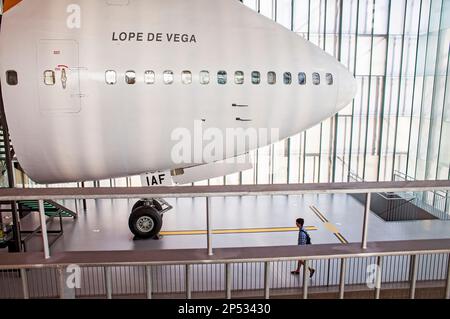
x=81 y=128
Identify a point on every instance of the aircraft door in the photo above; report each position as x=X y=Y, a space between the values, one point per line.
x=58 y=76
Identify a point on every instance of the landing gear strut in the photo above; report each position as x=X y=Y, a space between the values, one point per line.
x=146 y=218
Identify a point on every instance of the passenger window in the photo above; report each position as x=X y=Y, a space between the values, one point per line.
x=222 y=77
x=186 y=77
x=239 y=77
x=110 y=77
x=168 y=77
x=49 y=77
x=130 y=77
x=204 y=77
x=271 y=78
x=302 y=78
x=149 y=77
x=316 y=78
x=256 y=77
x=11 y=77
x=287 y=78
x=329 y=77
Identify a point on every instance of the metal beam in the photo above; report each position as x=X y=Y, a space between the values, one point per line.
x=214 y=191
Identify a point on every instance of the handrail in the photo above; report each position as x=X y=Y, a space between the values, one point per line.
x=225 y=255
x=211 y=191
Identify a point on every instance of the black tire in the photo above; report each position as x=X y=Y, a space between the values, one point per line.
x=141 y=203
x=139 y=220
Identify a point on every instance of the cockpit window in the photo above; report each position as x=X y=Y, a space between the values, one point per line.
x=239 y=77
x=204 y=77
x=329 y=77
x=302 y=78
x=256 y=77
x=271 y=78
x=287 y=78
x=222 y=77
x=149 y=77
x=130 y=77
x=168 y=77
x=11 y=77
x=316 y=78
x=186 y=77
x=110 y=77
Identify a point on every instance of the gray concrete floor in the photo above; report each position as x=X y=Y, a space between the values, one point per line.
x=104 y=226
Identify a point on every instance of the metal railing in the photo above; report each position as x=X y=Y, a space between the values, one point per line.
x=229 y=275
x=337 y=266
x=435 y=202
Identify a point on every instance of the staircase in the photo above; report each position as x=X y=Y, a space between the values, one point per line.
x=52 y=209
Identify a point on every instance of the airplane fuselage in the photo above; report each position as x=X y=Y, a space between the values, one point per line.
x=102 y=85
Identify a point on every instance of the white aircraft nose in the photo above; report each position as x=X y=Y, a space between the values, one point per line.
x=347 y=88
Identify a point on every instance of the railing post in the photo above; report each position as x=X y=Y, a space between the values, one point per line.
x=108 y=282
x=148 y=281
x=228 y=280
x=267 y=273
x=24 y=279
x=305 y=279
x=413 y=267
x=44 y=229
x=84 y=200
x=366 y=221
x=328 y=272
x=342 y=278
x=208 y=227
x=65 y=292
x=378 y=277
x=188 y=282
x=447 y=287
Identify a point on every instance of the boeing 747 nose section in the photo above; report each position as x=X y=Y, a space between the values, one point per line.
x=347 y=89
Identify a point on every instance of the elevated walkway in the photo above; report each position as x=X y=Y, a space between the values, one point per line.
x=251 y=272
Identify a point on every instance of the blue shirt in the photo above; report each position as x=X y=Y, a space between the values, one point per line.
x=302 y=237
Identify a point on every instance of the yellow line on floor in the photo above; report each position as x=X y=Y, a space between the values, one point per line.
x=331 y=227
x=235 y=231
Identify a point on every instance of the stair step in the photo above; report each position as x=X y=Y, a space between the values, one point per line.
x=52 y=209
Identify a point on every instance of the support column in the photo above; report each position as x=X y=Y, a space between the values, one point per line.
x=342 y=278
x=44 y=230
x=65 y=292
x=188 y=281
x=228 y=280
x=366 y=221
x=148 y=280
x=305 y=279
x=267 y=272
x=208 y=227
x=413 y=267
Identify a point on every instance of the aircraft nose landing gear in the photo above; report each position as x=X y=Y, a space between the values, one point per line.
x=146 y=218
